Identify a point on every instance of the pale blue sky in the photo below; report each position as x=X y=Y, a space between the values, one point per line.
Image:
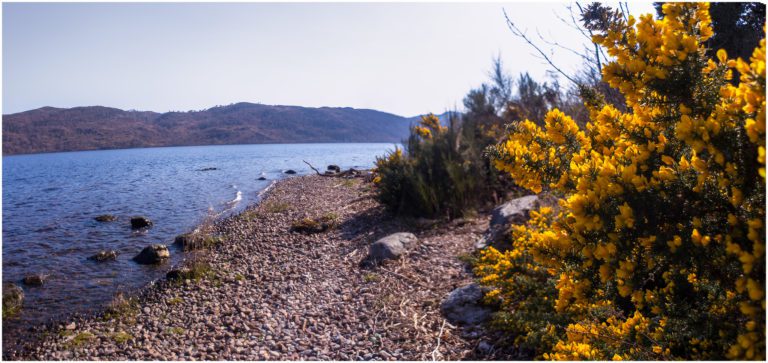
x=403 y=58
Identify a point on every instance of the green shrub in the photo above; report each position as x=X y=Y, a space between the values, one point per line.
x=442 y=173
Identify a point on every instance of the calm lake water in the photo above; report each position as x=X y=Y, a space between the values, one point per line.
x=50 y=200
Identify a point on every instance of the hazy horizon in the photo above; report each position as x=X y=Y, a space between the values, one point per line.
x=400 y=58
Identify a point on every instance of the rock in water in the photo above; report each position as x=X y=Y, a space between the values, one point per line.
x=13 y=298
x=290 y=171
x=140 y=222
x=152 y=255
x=392 y=246
x=334 y=168
x=464 y=306
x=503 y=217
x=261 y=178
x=34 y=280
x=106 y=218
x=104 y=256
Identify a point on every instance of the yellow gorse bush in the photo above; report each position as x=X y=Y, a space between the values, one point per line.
x=657 y=247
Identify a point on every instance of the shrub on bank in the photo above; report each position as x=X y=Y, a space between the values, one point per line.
x=441 y=172
x=657 y=248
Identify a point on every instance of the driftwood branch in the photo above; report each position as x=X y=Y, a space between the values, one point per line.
x=345 y=173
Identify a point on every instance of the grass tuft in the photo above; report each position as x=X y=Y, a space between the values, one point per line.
x=276 y=207
x=121 y=337
x=176 y=330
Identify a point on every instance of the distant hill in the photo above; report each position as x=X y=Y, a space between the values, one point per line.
x=50 y=129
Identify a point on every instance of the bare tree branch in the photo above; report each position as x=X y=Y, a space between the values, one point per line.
x=519 y=33
x=597 y=47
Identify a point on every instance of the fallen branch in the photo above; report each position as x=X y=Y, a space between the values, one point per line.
x=436 y=351
x=348 y=172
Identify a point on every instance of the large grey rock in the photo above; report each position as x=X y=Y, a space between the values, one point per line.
x=464 y=306
x=503 y=217
x=152 y=254
x=392 y=247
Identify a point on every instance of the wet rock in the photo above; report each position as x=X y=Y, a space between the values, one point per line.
x=334 y=168
x=105 y=218
x=464 y=306
x=290 y=171
x=140 y=222
x=34 y=280
x=103 y=256
x=392 y=246
x=13 y=299
x=261 y=178
x=152 y=255
x=183 y=240
x=503 y=217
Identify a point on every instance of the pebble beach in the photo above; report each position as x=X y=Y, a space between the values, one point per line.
x=270 y=293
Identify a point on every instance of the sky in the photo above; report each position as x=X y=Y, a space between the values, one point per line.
x=403 y=58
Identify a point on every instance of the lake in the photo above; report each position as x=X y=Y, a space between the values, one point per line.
x=50 y=201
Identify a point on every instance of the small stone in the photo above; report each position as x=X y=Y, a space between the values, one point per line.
x=71 y=326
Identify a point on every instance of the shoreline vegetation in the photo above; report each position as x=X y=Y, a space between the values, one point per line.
x=267 y=292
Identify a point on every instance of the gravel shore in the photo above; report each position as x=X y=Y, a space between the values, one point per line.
x=269 y=293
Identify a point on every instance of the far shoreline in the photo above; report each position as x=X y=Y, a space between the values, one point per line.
x=399 y=144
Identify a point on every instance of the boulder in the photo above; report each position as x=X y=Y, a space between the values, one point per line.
x=34 y=280
x=152 y=255
x=105 y=218
x=503 y=217
x=290 y=171
x=104 y=256
x=140 y=222
x=392 y=247
x=13 y=298
x=464 y=306
x=334 y=168
x=261 y=178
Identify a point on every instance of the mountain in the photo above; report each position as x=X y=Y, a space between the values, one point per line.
x=51 y=129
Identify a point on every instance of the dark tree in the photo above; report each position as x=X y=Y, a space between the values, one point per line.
x=738 y=27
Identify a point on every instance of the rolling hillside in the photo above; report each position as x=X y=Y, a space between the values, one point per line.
x=50 y=129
